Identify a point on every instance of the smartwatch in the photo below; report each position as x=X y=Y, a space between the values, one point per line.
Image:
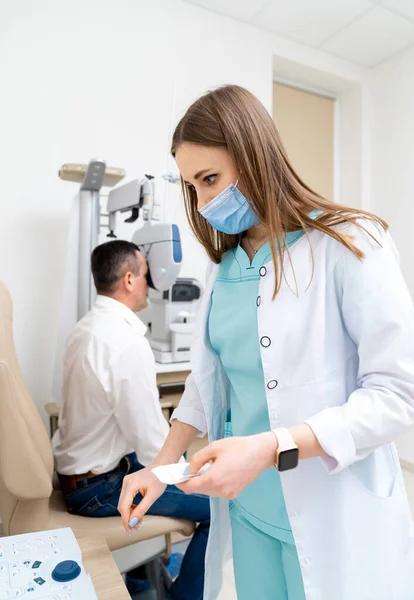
x=287 y=455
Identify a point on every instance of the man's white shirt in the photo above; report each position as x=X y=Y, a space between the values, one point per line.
x=111 y=405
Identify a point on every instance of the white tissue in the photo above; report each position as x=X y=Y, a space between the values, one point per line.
x=177 y=472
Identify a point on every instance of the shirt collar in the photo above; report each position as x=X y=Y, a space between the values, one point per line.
x=114 y=306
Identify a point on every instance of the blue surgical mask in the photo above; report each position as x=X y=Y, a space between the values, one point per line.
x=229 y=212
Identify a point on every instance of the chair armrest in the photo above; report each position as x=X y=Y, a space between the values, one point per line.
x=52 y=409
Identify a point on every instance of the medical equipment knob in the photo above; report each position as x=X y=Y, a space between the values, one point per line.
x=66 y=571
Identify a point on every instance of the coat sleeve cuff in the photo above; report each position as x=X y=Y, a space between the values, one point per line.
x=331 y=431
x=191 y=416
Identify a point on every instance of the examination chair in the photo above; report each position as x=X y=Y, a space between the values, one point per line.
x=28 y=500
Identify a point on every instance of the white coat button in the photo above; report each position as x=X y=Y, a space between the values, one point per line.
x=294 y=515
x=305 y=562
x=272 y=384
x=265 y=341
x=262 y=271
x=258 y=301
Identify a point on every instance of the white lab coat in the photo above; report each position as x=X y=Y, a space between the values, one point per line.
x=342 y=354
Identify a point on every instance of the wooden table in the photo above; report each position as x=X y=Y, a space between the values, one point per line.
x=98 y=562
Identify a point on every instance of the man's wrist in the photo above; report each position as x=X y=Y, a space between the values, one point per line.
x=164 y=459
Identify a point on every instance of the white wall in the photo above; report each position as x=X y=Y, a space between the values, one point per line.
x=97 y=78
x=392 y=165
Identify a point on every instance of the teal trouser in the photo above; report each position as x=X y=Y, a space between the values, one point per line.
x=264 y=566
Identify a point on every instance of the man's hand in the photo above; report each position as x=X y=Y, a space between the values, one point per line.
x=142 y=482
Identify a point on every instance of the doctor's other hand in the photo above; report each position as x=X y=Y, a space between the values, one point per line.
x=236 y=462
x=142 y=482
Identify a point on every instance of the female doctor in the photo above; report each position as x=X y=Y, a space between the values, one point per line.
x=302 y=374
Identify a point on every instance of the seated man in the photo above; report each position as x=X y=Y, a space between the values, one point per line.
x=111 y=423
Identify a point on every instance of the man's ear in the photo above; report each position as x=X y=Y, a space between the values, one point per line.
x=127 y=281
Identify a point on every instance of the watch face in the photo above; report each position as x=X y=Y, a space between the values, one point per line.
x=288 y=459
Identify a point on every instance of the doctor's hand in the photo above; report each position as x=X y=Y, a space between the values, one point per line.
x=237 y=461
x=142 y=482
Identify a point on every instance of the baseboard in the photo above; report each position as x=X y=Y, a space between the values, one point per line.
x=407 y=465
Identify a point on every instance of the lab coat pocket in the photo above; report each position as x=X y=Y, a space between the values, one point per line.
x=377 y=473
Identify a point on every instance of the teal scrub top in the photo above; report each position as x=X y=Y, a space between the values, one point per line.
x=234 y=336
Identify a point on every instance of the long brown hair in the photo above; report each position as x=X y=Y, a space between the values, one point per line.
x=231 y=117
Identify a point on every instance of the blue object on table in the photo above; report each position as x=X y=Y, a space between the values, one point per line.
x=66 y=571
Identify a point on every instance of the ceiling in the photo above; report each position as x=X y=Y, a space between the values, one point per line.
x=366 y=32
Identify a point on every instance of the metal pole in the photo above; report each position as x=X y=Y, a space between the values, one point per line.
x=89 y=216
x=88 y=240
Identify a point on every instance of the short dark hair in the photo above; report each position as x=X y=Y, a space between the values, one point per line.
x=112 y=260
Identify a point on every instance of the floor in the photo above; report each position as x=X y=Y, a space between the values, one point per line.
x=228 y=591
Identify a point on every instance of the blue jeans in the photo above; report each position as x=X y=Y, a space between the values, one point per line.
x=98 y=497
